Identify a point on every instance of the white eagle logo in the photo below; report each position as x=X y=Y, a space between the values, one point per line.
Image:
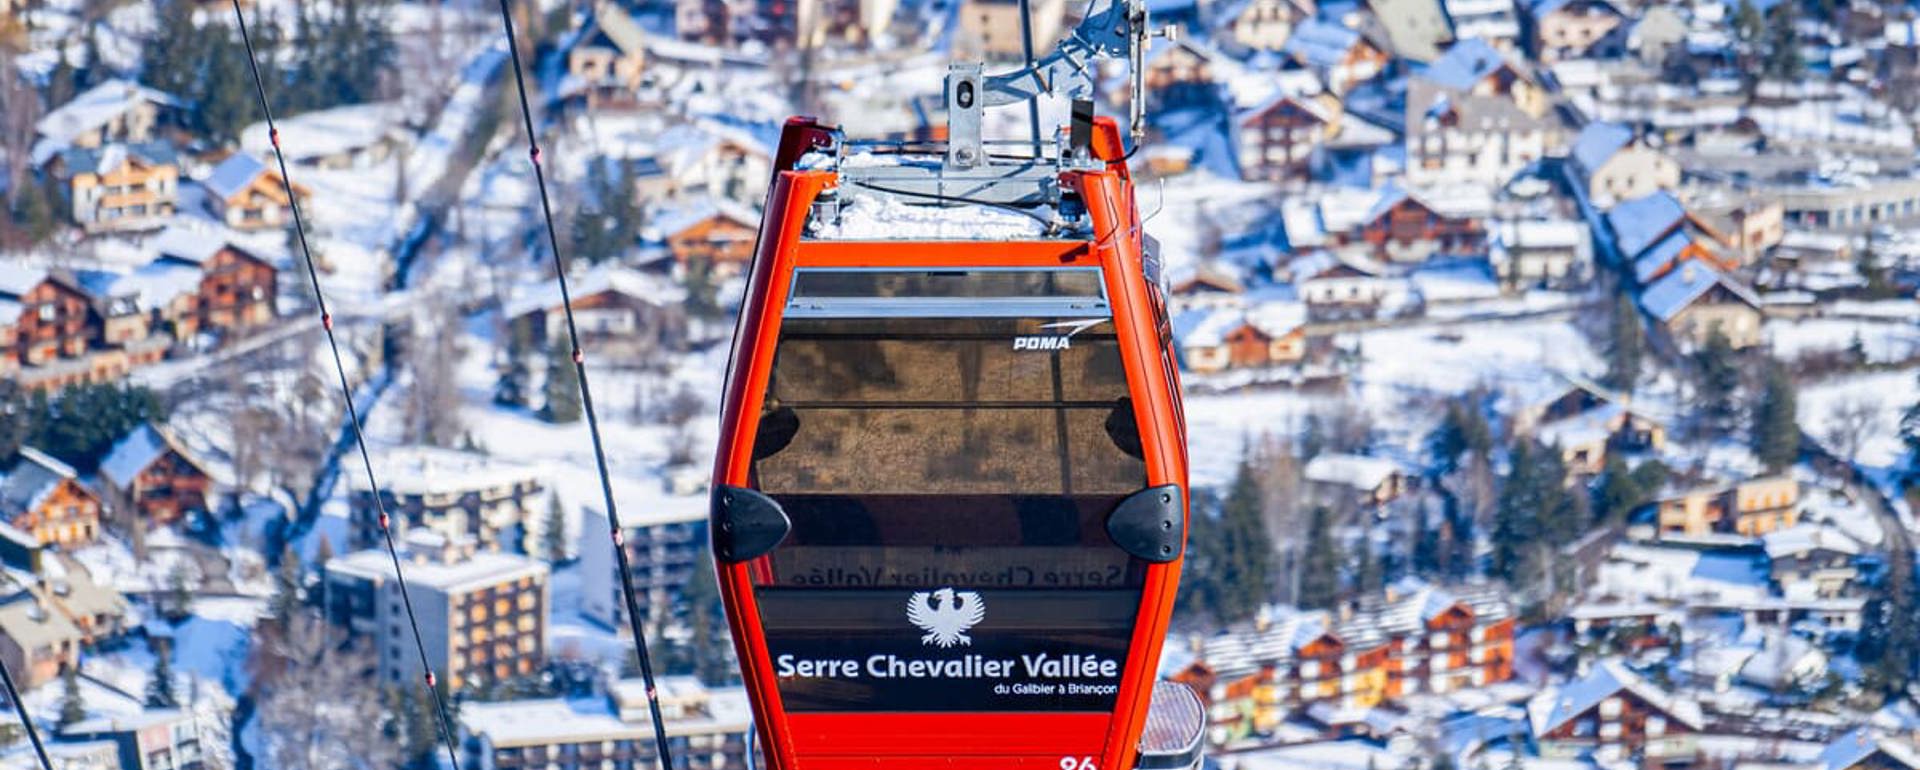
x=946 y=615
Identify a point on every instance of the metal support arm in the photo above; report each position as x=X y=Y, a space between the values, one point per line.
x=1112 y=29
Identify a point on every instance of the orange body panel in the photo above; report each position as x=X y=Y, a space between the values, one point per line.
x=910 y=741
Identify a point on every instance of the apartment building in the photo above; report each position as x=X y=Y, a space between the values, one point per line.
x=663 y=550
x=1411 y=638
x=483 y=616
x=456 y=494
x=706 y=729
x=155 y=739
x=1753 y=507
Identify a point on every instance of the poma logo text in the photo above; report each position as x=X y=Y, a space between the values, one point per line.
x=1055 y=341
x=1045 y=342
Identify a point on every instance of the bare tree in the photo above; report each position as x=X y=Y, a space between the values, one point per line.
x=1282 y=490
x=19 y=110
x=1852 y=423
x=679 y=412
x=315 y=712
x=432 y=405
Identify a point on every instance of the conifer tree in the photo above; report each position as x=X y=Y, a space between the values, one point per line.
x=1717 y=380
x=1320 y=571
x=1248 y=549
x=1783 y=43
x=1516 y=523
x=160 y=679
x=1776 y=434
x=1426 y=545
x=170 y=60
x=1626 y=344
x=1370 y=572
x=73 y=708
x=555 y=530
x=563 y=384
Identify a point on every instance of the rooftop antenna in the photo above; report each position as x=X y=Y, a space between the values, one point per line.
x=1111 y=29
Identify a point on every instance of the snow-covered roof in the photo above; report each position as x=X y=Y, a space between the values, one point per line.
x=1356 y=471
x=1640 y=222
x=424 y=570
x=10 y=311
x=1584 y=429
x=190 y=243
x=32 y=624
x=1205 y=327
x=429 y=470
x=1660 y=256
x=1857 y=746
x=1678 y=289
x=1465 y=64
x=157 y=284
x=1597 y=143
x=681 y=146
x=1455 y=282
x=122 y=723
x=137 y=450
x=326 y=132
x=104 y=159
x=1208 y=327
x=1540 y=233
x=647 y=287
x=610 y=20
x=671 y=220
x=234 y=174
x=17 y=279
x=1783 y=660
x=1277 y=318
x=1557 y=706
x=93 y=109
x=1807 y=537
x=1321 y=43
x=27 y=484
x=508 y=724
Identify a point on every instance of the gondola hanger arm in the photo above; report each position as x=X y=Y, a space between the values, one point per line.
x=1112 y=29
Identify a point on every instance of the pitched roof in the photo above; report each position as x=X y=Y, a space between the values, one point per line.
x=1320 y=42
x=1356 y=471
x=103 y=159
x=618 y=27
x=156 y=284
x=28 y=483
x=647 y=287
x=1861 y=744
x=1643 y=221
x=1557 y=706
x=1677 y=290
x=1660 y=256
x=92 y=109
x=1465 y=64
x=32 y=624
x=137 y=450
x=234 y=174
x=1597 y=144
x=1806 y=537
x=1205 y=327
x=1415 y=28
x=16 y=280
x=673 y=219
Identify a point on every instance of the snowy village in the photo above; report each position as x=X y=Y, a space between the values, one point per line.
x=1551 y=370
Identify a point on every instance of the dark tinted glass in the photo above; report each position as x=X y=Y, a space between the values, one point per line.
x=948 y=480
